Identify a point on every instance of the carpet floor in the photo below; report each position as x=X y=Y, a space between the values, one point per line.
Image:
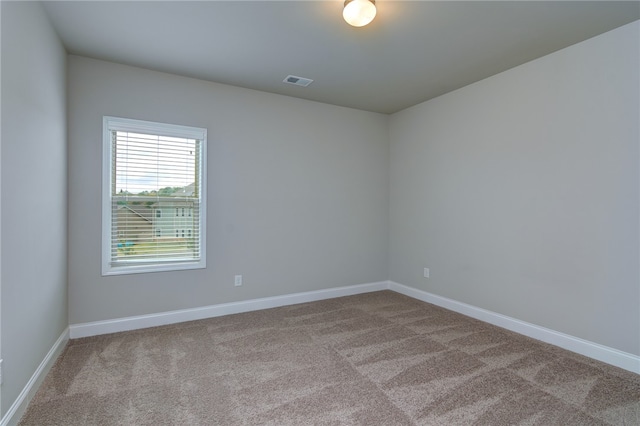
x=371 y=359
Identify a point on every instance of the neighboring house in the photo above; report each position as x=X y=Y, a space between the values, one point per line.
x=147 y=221
x=134 y=223
x=174 y=219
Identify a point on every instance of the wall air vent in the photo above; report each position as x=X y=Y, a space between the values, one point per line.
x=298 y=81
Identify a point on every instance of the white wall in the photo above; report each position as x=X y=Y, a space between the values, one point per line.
x=297 y=192
x=34 y=193
x=521 y=192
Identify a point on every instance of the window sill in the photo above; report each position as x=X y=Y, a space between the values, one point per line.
x=108 y=270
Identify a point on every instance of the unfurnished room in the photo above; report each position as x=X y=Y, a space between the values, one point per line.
x=319 y=213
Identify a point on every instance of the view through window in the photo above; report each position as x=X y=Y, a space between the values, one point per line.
x=152 y=171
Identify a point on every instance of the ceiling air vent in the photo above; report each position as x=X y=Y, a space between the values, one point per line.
x=298 y=81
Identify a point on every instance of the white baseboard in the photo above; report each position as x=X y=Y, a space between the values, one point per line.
x=593 y=350
x=172 y=317
x=596 y=351
x=19 y=406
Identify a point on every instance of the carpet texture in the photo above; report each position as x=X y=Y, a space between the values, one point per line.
x=372 y=359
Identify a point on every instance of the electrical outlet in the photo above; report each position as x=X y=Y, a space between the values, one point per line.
x=426 y=272
x=238 y=281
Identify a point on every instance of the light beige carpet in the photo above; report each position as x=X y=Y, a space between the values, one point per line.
x=372 y=359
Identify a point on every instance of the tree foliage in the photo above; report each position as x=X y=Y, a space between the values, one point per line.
x=162 y=192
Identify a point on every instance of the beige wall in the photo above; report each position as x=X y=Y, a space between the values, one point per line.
x=297 y=192
x=33 y=192
x=521 y=192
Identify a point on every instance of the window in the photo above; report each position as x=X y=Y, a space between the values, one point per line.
x=149 y=167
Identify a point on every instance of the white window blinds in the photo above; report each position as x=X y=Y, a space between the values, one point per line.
x=154 y=170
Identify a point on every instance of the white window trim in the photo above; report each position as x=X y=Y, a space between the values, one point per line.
x=126 y=124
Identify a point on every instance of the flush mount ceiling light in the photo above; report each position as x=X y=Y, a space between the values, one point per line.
x=359 y=13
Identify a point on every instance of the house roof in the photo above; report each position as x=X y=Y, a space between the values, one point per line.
x=143 y=211
x=187 y=191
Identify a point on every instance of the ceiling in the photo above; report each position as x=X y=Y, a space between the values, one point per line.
x=413 y=50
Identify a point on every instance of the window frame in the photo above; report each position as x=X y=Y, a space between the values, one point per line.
x=110 y=124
